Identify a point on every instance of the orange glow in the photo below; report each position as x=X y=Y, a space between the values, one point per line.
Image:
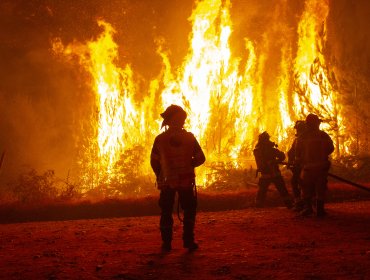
x=227 y=107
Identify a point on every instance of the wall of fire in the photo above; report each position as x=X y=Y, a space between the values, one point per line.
x=47 y=102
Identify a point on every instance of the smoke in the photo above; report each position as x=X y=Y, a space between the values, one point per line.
x=348 y=51
x=43 y=99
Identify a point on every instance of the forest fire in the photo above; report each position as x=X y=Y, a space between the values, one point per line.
x=83 y=86
x=227 y=100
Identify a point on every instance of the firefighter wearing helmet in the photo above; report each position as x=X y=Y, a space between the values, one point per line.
x=296 y=168
x=175 y=154
x=267 y=158
x=313 y=149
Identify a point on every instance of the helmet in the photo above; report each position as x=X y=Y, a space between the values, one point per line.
x=313 y=119
x=170 y=113
x=263 y=137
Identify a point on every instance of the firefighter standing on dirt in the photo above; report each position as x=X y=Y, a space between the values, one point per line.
x=174 y=156
x=312 y=153
x=296 y=168
x=268 y=158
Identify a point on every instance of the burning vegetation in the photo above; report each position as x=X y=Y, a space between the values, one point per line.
x=245 y=68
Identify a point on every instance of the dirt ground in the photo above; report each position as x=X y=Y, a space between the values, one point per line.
x=270 y=243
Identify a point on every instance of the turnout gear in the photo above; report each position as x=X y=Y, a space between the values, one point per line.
x=175 y=154
x=312 y=153
x=188 y=202
x=320 y=210
x=267 y=158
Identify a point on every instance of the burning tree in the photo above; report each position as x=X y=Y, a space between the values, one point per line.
x=226 y=96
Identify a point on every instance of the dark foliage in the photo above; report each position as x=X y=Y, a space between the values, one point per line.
x=32 y=187
x=227 y=177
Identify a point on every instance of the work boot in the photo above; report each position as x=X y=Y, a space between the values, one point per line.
x=320 y=210
x=166 y=233
x=307 y=209
x=288 y=203
x=166 y=246
x=191 y=246
x=298 y=206
x=306 y=212
x=259 y=204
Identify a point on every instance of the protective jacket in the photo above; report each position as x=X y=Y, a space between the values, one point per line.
x=313 y=149
x=174 y=156
x=267 y=159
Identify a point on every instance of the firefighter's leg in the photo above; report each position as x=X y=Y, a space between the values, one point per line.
x=188 y=202
x=280 y=186
x=307 y=180
x=295 y=185
x=297 y=190
x=166 y=201
x=321 y=187
x=263 y=185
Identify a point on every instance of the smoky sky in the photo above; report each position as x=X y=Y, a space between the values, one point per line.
x=41 y=97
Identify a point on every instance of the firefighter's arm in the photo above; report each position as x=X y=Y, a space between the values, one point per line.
x=298 y=152
x=330 y=145
x=154 y=160
x=291 y=153
x=198 y=156
x=280 y=156
x=262 y=166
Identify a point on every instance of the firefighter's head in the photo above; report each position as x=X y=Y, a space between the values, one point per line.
x=264 y=140
x=313 y=121
x=300 y=126
x=174 y=116
x=263 y=137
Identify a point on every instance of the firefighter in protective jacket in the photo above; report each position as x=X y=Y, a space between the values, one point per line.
x=268 y=158
x=312 y=153
x=296 y=168
x=174 y=156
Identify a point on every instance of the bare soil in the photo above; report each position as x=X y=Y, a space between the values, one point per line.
x=270 y=243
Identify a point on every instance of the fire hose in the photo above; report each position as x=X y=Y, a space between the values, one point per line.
x=2 y=159
x=340 y=179
x=349 y=182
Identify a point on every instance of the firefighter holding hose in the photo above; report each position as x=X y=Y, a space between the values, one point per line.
x=313 y=149
x=175 y=154
x=267 y=158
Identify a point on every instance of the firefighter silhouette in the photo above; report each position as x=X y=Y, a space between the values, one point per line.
x=296 y=168
x=175 y=154
x=267 y=158
x=312 y=153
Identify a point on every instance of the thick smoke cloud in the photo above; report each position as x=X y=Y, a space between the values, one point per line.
x=43 y=98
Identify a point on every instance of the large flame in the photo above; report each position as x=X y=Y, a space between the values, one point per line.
x=218 y=98
x=226 y=98
x=315 y=92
